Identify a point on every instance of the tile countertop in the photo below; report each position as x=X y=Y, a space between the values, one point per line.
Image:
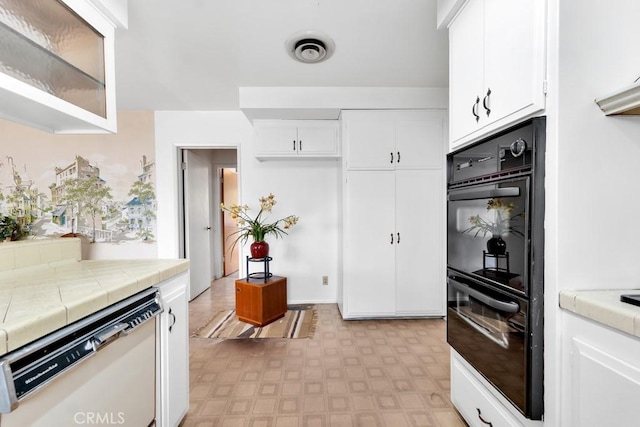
x=39 y=299
x=604 y=307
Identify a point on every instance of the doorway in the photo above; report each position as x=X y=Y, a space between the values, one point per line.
x=229 y=192
x=201 y=230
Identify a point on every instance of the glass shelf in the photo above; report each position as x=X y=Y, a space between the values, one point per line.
x=49 y=47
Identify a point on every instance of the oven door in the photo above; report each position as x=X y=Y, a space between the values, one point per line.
x=488 y=328
x=488 y=232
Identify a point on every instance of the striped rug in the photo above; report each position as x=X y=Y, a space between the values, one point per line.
x=295 y=324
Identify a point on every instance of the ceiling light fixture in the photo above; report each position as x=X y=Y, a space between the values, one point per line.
x=310 y=47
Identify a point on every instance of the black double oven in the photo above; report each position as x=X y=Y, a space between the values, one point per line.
x=495 y=260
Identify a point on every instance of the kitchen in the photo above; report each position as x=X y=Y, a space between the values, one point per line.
x=586 y=45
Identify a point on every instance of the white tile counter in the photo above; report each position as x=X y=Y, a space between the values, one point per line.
x=604 y=307
x=44 y=285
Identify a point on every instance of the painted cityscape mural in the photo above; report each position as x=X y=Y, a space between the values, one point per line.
x=100 y=187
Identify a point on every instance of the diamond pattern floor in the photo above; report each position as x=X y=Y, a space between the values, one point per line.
x=350 y=373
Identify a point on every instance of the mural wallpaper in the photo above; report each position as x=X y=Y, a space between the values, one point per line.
x=101 y=187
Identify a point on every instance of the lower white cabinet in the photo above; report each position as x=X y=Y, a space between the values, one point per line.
x=173 y=354
x=393 y=214
x=473 y=398
x=393 y=244
x=601 y=375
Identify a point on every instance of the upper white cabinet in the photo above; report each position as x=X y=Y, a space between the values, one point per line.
x=57 y=68
x=277 y=139
x=389 y=140
x=393 y=221
x=496 y=66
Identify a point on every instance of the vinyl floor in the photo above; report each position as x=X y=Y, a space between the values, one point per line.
x=350 y=373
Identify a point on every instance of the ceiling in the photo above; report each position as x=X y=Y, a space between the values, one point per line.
x=195 y=54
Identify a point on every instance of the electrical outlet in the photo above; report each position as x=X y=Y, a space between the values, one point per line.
x=325 y=280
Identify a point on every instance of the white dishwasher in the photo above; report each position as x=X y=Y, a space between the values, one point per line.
x=97 y=371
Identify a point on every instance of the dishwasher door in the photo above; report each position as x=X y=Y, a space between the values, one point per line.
x=115 y=386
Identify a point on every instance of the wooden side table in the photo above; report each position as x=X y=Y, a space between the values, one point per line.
x=261 y=302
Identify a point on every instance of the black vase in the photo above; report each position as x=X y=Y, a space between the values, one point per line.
x=496 y=246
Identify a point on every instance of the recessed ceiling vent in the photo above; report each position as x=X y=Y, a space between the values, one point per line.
x=310 y=47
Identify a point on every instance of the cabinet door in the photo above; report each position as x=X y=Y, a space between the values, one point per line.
x=513 y=64
x=420 y=143
x=276 y=138
x=420 y=274
x=605 y=386
x=174 y=356
x=466 y=53
x=370 y=242
x=370 y=143
x=318 y=138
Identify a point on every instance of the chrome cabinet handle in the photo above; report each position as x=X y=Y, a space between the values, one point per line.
x=398 y=161
x=391 y=154
x=485 y=102
x=398 y=238
x=482 y=419
x=300 y=145
x=294 y=145
x=392 y=238
x=474 y=109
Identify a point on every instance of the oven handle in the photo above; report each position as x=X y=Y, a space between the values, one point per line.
x=486 y=194
x=506 y=306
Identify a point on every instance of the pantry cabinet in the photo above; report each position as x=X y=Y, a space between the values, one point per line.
x=57 y=71
x=393 y=238
x=173 y=355
x=496 y=66
x=278 y=139
x=601 y=381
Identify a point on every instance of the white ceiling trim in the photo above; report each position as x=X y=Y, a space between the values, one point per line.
x=325 y=103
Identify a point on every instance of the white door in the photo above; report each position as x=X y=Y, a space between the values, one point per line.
x=317 y=138
x=420 y=273
x=370 y=143
x=197 y=221
x=370 y=244
x=466 y=62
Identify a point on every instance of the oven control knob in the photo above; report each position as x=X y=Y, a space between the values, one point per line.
x=518 y=147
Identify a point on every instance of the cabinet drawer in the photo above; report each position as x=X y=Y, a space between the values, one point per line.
x=476 y=404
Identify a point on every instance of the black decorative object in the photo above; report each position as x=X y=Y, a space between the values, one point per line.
x=496 y=246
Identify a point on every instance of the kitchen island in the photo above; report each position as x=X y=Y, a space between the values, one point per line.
x=45 y=285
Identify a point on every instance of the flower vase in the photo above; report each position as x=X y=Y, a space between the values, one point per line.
x=496 y=246
x=259 y=249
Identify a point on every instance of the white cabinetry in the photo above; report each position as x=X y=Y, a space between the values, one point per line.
x=496 y=66
x=173 y=354
x=296 y=138
x=479 y=406
x=57 y=71
x=394 y=202
x=601 y=371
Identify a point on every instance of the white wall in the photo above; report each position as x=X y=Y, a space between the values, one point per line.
x=308 y=189
x=305 y=188
x=592 y=172
x=179 y=129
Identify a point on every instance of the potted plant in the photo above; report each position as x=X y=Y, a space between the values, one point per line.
x=257 y=227
x=500 y=226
